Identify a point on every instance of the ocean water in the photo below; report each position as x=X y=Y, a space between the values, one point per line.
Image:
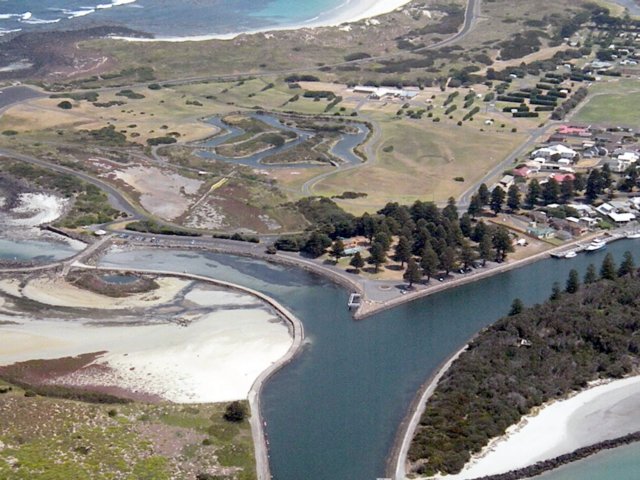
x=163 y=18
x=618 y=464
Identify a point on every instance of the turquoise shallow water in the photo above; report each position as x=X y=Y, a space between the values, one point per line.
x=163 y=18
x=622 y=463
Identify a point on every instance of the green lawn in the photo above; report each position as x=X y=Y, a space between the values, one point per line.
x=611 y=109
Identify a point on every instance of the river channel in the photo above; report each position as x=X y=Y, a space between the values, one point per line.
x=333 y=413
x=343 y=149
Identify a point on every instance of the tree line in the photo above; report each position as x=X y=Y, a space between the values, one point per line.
x=424 y=238
x=587 y=332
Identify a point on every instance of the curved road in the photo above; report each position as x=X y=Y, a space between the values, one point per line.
x=369 y=153
x=116 y=198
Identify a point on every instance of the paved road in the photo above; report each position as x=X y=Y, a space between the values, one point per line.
x=11 y=95
x=369 y=153
x=532 y=140
x=116 y=198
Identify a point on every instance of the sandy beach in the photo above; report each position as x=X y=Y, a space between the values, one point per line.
x=216 y=358
x=350 y=11
x=599 y=413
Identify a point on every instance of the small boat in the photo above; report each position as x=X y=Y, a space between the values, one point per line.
x=635 y=234
x=596 y=244
x=570 y=254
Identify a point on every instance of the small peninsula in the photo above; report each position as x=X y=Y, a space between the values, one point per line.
x=527 y=364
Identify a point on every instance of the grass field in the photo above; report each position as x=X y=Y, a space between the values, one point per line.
x=420 y=159
x=54 y=439
x=619 y=106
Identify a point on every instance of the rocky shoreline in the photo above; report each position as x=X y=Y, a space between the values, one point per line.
x=44 y=52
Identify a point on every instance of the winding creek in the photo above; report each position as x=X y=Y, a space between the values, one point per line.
x=333 y=413
x=343 y=148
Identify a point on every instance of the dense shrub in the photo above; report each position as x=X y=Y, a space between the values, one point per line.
x=571 y=341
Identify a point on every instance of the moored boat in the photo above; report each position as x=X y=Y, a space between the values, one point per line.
x=571 y=254
x=634 y=234
x=596 y=244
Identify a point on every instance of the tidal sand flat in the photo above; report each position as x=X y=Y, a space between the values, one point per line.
x=211 y=355
x=600 y=413
x=58 y=292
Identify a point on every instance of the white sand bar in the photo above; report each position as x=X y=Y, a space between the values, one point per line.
x=600 y=413
x=62 y=294
x=214 y=359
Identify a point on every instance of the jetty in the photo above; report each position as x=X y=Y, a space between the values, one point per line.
x=355 y=300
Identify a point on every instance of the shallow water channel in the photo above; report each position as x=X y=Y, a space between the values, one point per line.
x=343 y=148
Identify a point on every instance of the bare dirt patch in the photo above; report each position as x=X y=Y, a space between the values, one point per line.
x=167 y=195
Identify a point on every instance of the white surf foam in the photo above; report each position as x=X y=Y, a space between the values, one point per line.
x=4 y=31
x=79 y=13
x=38 y=21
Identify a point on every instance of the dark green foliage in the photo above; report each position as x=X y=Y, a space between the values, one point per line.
x=348 y=195
x=573 y=282
x=109 y=136
x=377 y=255
x=412 y=274
x=290 y=243
x=483 y=194
x=513 y=197
x=497 y=199
x=351 y=57
x=471 y=113
x=337 y=250
x=555 y=292
x=88 y=96
x=235 y=412
x=319 y=94
x=521 y=44
x=130 y=94
x=517 y=307
x=317 y=244
x=608 y=268
x=533 y=193
x=451 y=98
x=325 y=214
x=301 y=78
x=551 y=192
x=590 y=275
x=166 y=140
x=628 y=265
x=403 y=250
x=569 y=342
x=595 y=185
x=150 y=226
x=357 y=262
x=65 y=105
x=502 y=243
x=429 y=262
